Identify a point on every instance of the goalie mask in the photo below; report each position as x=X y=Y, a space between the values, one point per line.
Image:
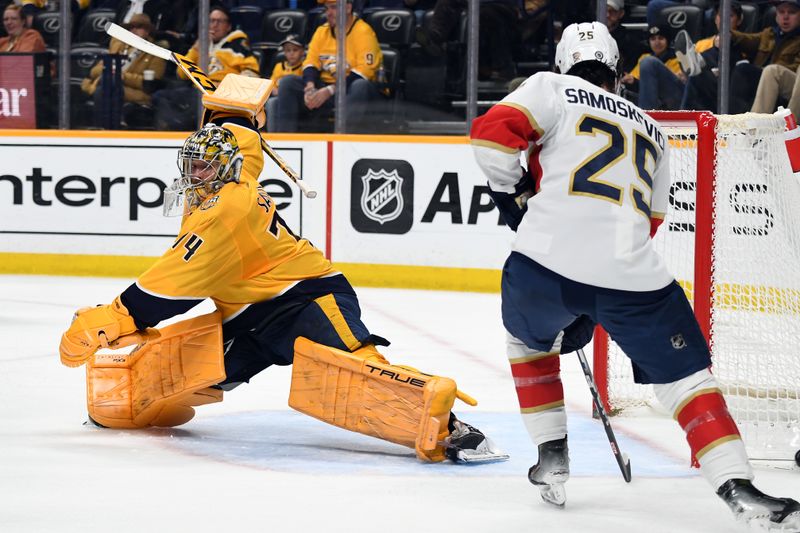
x=587 y=41
x=208 y=159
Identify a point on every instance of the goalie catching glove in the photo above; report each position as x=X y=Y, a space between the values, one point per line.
x=92 y=328
x=512 y=206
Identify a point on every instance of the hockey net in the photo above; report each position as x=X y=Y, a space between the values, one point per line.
x=731 y=237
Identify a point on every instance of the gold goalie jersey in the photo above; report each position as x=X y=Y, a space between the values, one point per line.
x=233 y=248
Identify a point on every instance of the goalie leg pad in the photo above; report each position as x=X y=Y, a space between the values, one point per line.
x=158 y=383
x=355 y=391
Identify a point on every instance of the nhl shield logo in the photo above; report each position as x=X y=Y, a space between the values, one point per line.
x=381 y=200
x=678 y=341
x=382 y=196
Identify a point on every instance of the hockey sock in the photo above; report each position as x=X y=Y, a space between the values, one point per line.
x=699 y=407
x=541 y=395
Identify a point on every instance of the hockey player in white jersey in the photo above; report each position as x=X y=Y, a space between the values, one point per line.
x=594 y=192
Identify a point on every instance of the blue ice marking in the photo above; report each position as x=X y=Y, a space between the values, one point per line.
x=287 y=441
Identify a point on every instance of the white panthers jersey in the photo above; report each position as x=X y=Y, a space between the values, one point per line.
x=602 y=178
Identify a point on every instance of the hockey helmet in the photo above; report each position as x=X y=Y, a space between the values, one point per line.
x=587 y=41
x=208 y=159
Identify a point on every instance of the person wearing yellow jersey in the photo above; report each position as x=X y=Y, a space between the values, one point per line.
x=657 y=75
x=229 y=52
x=294 y=53
x=279 y=302
x=311 y=94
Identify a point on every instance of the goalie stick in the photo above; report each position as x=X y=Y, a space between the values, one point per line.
x=622 y=459
x=205 y=85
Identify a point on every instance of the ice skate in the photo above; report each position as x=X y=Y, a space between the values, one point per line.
x=552 y=471
x=759 y=511
x=467 y=444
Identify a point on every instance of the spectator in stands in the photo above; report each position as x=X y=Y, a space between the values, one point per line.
x=574 y=11
x=631 y=46
x=161 y=13
x=30 y=8
x=184 y=34
x=419 y=7
x=294 y=53
x=134 y=65
x=776 y=45
x=700 y=62
x=20 y=38
x=229 y=52
x=781 y=80
x=657 y=75
x=312 y=94
x=654 y=7
x=498 y=40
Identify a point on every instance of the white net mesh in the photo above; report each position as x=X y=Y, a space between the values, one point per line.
x=755 y=309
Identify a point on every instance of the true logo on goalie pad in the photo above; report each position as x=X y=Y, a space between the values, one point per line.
x=396 y=376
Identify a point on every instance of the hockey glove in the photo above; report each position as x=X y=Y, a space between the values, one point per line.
x=578 y=334
x=512 y=206
x=93 y=327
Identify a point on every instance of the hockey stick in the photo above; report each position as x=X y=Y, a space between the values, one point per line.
x=206 y=86
x=622 y=459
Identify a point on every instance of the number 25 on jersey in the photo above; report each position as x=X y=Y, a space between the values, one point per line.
x=585 y=180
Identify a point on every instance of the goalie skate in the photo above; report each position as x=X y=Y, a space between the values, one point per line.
x=552 y=471
x=758 y=510
x=466 y=444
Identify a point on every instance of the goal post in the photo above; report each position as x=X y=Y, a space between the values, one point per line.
x=731 y=237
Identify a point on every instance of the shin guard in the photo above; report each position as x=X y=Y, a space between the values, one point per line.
x=699 y=407
x=541 y=395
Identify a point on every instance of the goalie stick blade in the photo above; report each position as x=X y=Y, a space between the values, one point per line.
x=118 y=32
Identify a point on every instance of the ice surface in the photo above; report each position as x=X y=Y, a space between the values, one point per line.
x=252 y=464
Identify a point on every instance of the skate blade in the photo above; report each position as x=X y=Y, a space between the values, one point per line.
x=554 y=494
x=471 y=457
x=761 y=522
